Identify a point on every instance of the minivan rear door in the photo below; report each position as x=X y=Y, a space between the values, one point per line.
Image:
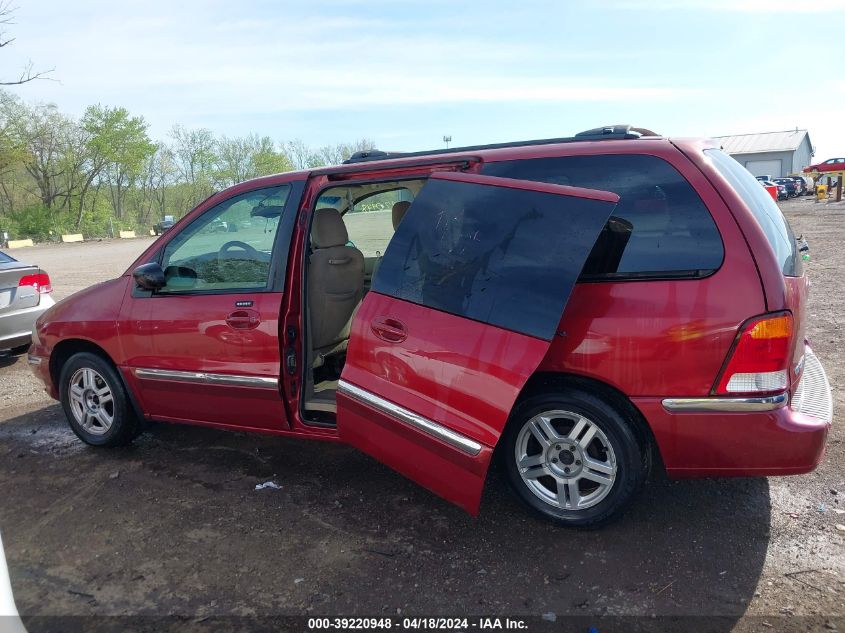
x=467 y=299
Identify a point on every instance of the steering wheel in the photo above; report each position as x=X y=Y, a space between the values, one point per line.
x=250 y=251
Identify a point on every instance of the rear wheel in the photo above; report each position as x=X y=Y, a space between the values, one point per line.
x=95 y=402
x=573 y=457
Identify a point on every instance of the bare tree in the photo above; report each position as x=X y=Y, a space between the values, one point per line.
x=28 y=73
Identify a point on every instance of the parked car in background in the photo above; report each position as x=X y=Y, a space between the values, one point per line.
x=800 y=185
x=771 y=187
x=159 y=228
x=780 y=189
x=580 y=308
x=24 y=296
x=809 y=185
x=218 y=226
x=768 y=177
x=832 y=164
x=789 y=184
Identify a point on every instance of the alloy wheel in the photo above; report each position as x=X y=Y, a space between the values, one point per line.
x=91 y=401
x=565 y=460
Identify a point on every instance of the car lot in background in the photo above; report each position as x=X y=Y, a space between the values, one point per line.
x=780 y=190
x=800 y=185
x=809 y=185
x=24 y=295
x=789 y=184
x=771 y=187
x=832 y=164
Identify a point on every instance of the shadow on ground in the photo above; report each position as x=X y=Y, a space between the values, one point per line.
x=174 y=525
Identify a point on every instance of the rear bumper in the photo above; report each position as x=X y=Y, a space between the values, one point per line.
x=16 y=326
x=787 y=439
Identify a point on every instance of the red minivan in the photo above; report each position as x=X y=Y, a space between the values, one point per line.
x=578 y=309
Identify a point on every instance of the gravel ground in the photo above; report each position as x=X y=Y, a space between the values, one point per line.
x=173 y=525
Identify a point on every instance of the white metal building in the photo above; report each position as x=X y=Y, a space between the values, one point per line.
x=770 y=153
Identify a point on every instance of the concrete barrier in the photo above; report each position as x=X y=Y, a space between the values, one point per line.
x=127 y=234
x=73 y=237
x=20 y=243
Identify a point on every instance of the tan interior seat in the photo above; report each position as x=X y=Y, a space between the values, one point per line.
x=335 y=283
x=399 y=210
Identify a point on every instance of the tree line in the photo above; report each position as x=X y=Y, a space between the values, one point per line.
x=102 y=172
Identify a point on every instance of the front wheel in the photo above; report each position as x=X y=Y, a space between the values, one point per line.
x=573 y=457
x=95 y=402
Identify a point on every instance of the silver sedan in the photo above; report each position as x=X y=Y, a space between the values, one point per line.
x=24 y=295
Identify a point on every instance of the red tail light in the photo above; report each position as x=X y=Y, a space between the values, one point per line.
x=41 y=282
x=759 y=361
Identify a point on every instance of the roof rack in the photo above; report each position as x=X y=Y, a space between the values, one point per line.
x=607 y=133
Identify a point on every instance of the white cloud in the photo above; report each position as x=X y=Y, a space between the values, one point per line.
x=190 y=63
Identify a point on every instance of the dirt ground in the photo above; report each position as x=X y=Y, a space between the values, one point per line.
x=173 y=525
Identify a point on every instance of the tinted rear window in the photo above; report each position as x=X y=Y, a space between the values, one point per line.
x=5 y=259
x=661 y=228
x=503 y=256
x=765 y=210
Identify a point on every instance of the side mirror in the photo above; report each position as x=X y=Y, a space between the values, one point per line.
x=149 y=276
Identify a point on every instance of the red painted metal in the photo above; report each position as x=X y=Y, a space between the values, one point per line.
x=773 y=191
x=456 y=372
x=779 y=442
x=194 y=333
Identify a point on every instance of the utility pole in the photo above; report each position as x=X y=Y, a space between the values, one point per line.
x=447 y=139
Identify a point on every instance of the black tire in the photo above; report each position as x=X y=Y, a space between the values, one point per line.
x=632 y=455
x=124 y=426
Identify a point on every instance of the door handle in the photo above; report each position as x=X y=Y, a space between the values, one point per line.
x=388 y=329
x=243 y=319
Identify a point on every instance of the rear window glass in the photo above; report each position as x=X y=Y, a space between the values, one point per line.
x=661 y=228
x=5 y=259
x=507 y=257
x=778 y=232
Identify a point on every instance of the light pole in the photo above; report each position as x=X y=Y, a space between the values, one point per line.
x=447 y=139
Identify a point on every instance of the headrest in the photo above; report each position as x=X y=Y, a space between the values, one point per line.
x=328 y=228
x=399 y=211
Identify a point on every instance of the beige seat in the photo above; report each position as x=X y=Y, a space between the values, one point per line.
x=335 y=283
x=399 y=210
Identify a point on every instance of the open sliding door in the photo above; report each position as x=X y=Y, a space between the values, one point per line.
x=466 y=301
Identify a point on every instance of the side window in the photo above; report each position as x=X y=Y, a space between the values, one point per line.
x=661 y=228
x=370 y=221
x=229 y=247
x=503 y=256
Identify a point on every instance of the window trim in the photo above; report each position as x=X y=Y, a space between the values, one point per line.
x=279 y=252
x=665 y=275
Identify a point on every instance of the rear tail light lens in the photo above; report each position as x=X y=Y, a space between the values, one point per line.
x=41 y=282
x=759 y=362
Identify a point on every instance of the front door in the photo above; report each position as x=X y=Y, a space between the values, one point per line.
x=466 y=301
x=205 y=348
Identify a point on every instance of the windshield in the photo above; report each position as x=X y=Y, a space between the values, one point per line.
x=775 y=226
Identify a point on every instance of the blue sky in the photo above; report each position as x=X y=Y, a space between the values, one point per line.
x=406 y=73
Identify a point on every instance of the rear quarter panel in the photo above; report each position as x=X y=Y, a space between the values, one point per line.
x=662 y=337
